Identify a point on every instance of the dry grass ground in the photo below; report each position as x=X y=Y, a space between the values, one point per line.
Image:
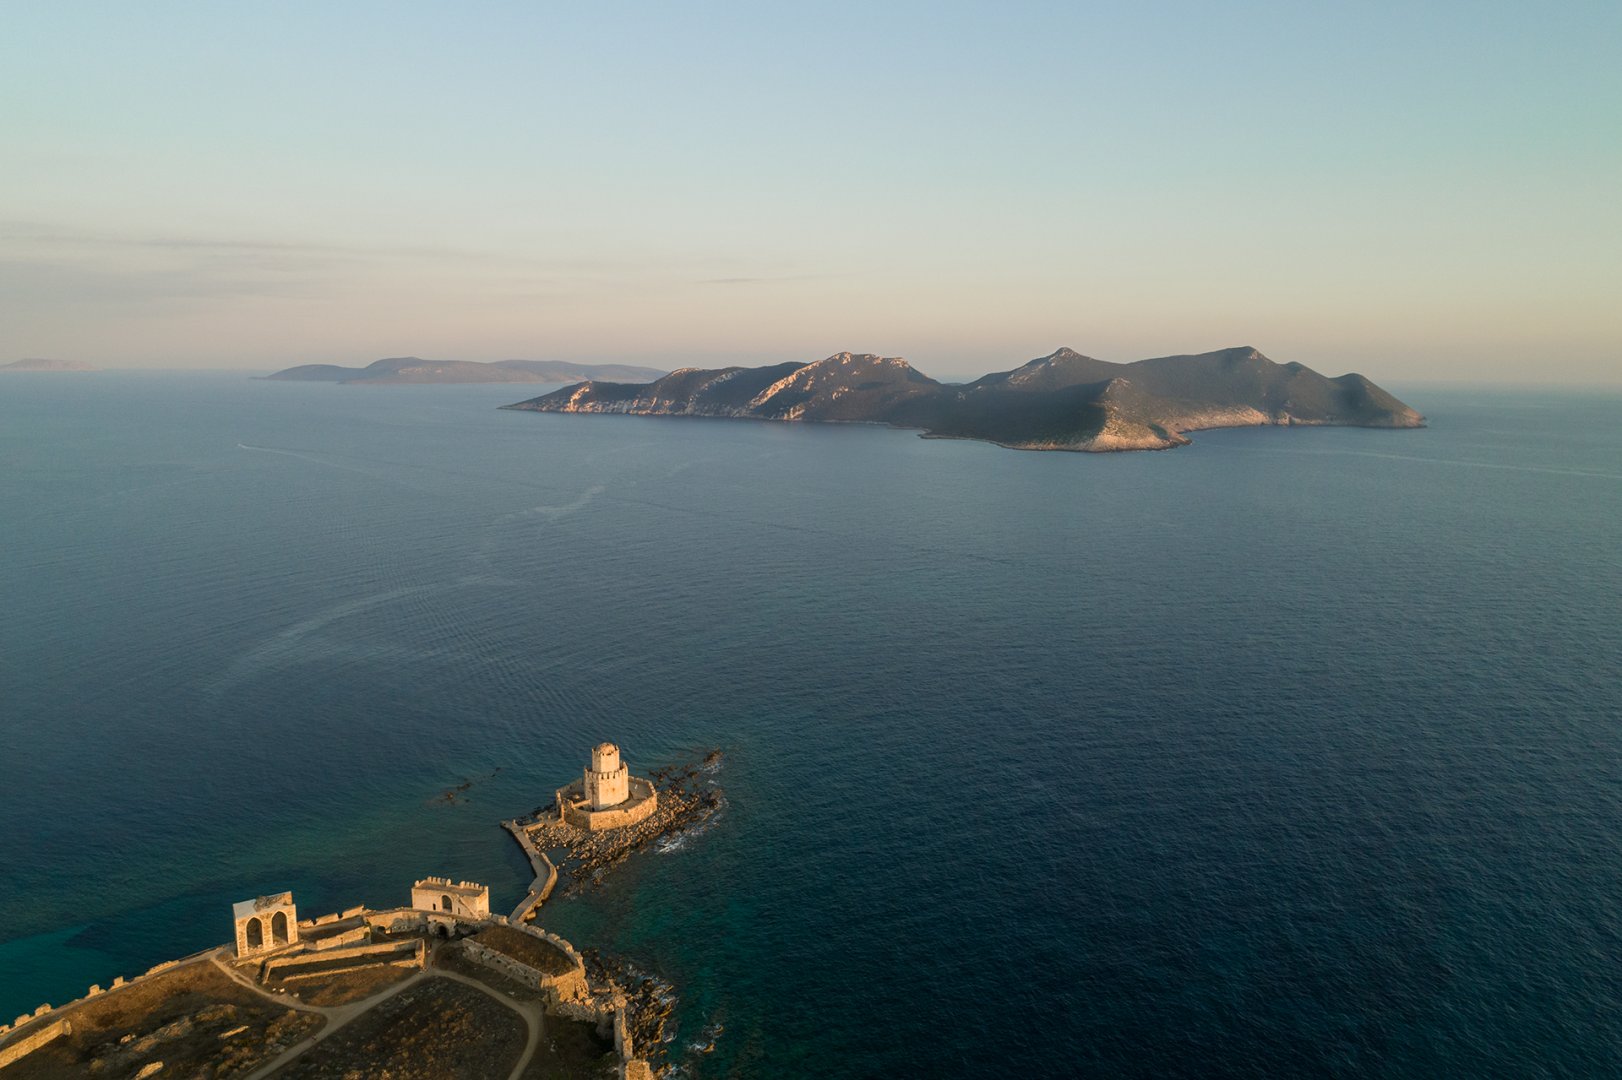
x=436 y=1030
x=572 y=1050
x=187 y=1018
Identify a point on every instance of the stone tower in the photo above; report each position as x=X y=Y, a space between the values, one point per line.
x=607 y=780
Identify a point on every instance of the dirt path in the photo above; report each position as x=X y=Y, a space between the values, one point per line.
x=338 y=1016
x=531 y=1012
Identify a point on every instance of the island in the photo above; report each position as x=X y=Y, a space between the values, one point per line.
x=41 y=364
x=1062 y=401
x=398 y=370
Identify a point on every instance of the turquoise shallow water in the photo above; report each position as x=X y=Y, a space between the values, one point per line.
x=1290 y=752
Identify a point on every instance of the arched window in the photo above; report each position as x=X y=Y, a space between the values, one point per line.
x=445 y=902
x=278 y=928
x=254 y=933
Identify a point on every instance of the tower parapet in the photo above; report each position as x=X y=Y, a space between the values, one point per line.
x=606 y=796
x=607 y=780
x=468 y=899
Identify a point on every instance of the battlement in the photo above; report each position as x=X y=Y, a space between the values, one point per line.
x=465 y=898
x=606 y=781
x=605 y=758
x=447 y=883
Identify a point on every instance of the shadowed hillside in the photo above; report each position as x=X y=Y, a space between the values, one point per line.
x=1063 y=401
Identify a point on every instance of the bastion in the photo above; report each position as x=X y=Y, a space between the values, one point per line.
x=607 y=796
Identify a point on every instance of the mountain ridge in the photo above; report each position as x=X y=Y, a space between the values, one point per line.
x=398 y=370
x=1063 y=401
x=35 y=363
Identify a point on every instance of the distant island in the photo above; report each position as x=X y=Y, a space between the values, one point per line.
x=38 y=364
x=412 y=369
x=1062 y=401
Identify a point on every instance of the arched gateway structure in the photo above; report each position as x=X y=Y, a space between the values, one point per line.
x=265 y=923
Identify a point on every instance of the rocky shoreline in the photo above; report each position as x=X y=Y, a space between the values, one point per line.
x=649 y=1000
x=688 y=798
x=1062 y=401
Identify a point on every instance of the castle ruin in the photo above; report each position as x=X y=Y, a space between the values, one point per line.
x=607 y=796
x=265 y=923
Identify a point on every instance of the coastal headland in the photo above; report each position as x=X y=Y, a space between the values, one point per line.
x=1062 y=401
x=440 y=986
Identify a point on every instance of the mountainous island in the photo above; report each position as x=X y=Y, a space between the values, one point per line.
x=39 y=364
x=1063 y=401
x=411 y=369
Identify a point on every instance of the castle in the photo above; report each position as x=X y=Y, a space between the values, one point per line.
x=607 y=796
x=277 y=953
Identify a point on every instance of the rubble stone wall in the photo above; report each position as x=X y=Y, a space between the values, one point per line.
x=29 y=1043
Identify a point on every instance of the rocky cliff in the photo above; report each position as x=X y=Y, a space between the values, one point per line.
x=1062 y=401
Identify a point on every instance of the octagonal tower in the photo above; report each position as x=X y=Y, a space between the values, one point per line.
x=607 y=780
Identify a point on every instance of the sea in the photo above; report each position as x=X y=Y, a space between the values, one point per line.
x=1292 y=752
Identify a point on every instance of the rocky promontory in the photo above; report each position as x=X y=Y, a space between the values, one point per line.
x=688 y=798
x=1062 y=401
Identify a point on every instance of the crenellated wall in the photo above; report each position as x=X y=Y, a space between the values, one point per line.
x=641 y=801
x=466 y=898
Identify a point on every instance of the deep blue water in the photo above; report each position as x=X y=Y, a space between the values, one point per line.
x=1293 y=752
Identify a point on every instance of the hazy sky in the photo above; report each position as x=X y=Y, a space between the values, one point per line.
x=1414 y=191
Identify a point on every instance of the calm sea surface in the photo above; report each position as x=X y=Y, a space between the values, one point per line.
x=1289 y=753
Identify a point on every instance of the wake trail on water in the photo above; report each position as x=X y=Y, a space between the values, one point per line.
x=289 y=646
x=303 y=455
x=551 y=513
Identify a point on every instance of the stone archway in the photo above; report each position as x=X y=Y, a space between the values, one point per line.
x=444 y=903
x=278 y=928
x=254 y=933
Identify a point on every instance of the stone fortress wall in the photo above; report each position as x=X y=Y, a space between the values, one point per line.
x=21 y=1048
x=42 y=1031
x=568 y=994
x=606 y=796
x=269 y=932
x=457 y=897
x=641 y=802
x=410 y=954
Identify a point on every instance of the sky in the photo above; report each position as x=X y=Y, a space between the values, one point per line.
x=1419 y=192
